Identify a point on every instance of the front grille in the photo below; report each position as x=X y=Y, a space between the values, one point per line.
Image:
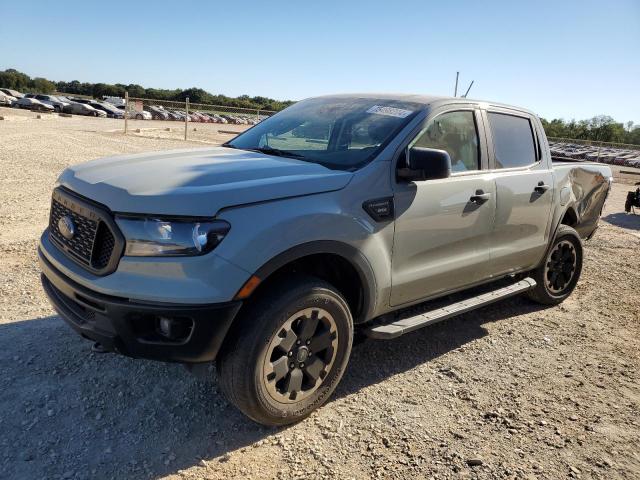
x=93 y=243
x=81 y=245
x=103 y=247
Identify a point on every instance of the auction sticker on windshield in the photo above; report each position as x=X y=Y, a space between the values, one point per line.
x=390 y=111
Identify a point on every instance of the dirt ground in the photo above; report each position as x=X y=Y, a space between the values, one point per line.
x=513 y=390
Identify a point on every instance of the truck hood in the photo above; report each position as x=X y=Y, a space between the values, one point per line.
x=197 y=182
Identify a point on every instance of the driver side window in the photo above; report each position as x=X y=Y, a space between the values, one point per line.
x=456 y=133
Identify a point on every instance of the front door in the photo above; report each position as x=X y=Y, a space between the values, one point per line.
x=442 y=227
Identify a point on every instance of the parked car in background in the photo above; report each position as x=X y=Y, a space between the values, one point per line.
x=6 y=100
x=32 y=104
x=57 y=103
x=233 y=120
x=84 y=109
x=140 y=115
x=84 y=100
x=66 y=99
x=196 y=117
x=157 y=113
x=108 y=108
x=13 y=93
x=212 y=117
x=116 y=101
x=181 y=115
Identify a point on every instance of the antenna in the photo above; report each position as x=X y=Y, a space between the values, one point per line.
x=455 y=91
x=467 y=92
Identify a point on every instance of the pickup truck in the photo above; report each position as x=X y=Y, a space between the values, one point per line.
x=367 y=215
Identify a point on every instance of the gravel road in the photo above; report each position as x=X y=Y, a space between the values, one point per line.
x=510 y=391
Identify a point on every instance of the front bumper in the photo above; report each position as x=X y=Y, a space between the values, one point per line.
x=130 y=327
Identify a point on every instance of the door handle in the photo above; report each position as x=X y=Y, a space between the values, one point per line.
x=541 y=188
x=479 y=197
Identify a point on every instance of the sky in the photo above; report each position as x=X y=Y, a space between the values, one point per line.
x=561 y=59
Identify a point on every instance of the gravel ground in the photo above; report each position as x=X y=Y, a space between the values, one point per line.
x=510 y=391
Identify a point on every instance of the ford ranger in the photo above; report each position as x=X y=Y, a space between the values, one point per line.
x=363 y=214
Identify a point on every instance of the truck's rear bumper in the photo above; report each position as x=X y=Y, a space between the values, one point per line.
x=133 y=328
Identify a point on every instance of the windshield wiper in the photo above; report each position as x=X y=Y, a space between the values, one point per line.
x=277 y=152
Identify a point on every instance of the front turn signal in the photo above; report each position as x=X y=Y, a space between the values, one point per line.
x=248 y=288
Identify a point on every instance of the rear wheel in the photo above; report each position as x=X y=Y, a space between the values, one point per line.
x=287 y=352
x=558 y=275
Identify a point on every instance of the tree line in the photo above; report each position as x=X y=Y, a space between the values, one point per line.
x=16 y=80
x=601 y=128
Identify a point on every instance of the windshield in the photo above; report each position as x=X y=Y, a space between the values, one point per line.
x=338 y=132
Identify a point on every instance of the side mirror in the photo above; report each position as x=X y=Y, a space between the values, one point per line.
x=426 y=164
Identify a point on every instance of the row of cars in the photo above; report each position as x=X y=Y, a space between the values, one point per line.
x=609 y=155
x=59 y=103
x=161 y=113
x=109 y=108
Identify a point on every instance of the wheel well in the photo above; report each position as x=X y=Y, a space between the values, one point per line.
x=570 y=218
x=331 y=268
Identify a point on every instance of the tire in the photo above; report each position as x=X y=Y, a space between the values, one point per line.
x=255 y=367
x=558 y=275
x=57 y=109
x=138 y=117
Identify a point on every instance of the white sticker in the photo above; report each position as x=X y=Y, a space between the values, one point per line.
x=390 y=111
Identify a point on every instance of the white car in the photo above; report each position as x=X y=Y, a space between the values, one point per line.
x=13 y=93
x=140 y=115
x=32 y=104
x=6 y=100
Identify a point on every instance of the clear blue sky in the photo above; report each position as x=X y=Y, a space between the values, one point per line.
x=568 y=59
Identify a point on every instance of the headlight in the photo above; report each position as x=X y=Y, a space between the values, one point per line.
x=151 y=237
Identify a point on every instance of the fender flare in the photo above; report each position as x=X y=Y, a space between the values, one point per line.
x=348 y=252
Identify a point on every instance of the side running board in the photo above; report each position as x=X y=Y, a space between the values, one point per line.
x=406 y=325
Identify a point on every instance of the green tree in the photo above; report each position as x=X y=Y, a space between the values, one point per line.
x=42 y=85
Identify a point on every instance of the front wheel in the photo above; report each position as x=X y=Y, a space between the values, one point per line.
x=558 y=275
x=287 y=351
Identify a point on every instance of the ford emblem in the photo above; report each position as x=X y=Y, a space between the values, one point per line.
x=67 y=227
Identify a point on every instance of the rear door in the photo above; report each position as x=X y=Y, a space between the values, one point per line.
x=441 y=240
x=524 y=190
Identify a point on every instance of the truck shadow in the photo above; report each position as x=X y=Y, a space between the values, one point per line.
x=88 y=415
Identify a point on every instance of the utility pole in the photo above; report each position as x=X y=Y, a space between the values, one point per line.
x=126 y=110
x=455 y=91
x=186 y=117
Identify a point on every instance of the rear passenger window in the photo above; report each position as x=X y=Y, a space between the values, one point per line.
x=512 y=140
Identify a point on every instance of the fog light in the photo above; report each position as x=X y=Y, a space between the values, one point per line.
x=175 y=329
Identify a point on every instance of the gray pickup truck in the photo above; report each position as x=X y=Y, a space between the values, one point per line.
x=365 y=214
